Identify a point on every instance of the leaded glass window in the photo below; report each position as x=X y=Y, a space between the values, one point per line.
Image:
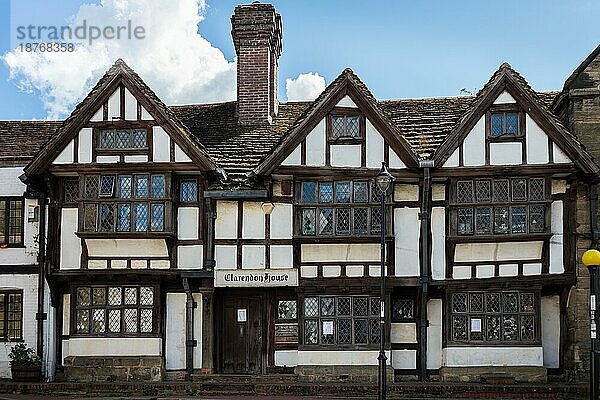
x=188 y=191
x=122 y=139
x=71 y=192
x=158 y=186
x=504 y=123
x=341 y=320
x=403 y=309
x=327 y=209
x=101 y=310
x=494 y=317
x=287 y=309
x=500 y=206
x=345 y=126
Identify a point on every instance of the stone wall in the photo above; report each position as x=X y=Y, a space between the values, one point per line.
x=114 y=369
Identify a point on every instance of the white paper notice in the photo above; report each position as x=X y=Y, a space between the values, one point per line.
x=241 y=315
x=327 y=327
x=475 y=325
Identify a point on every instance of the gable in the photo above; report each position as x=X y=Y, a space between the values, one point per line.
x=120 y=120
x=321 y=149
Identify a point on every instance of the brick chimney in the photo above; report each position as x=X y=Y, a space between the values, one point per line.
x=256 y=32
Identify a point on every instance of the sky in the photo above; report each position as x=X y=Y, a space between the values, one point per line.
x=400 y=49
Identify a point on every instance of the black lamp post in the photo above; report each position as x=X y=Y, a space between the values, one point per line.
x=591 y=259
x=383 y=181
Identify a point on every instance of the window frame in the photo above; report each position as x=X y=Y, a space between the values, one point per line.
x=4 y=238
x=505 y=137
x=345 y=112
x=4 y=332
x=129 y=150
x=155 y=307
x=181 y=181
x=449 y=313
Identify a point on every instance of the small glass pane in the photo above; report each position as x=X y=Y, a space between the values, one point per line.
x=343 y=305
x=71 y=191
x=139 y=139
x=519 y=219
x=83 y=321
x=107 y=218
x=375 y=307
x=124 y=217
x=483 y=221
x=130 y=317
x=342 y=192
x=527 y=302
x=464 y=191
x=361 y=192
x=483 y=190
x=360 y=225
x=510 y=302
x=476 y=302
x=375 y=331
x=124 y=187
x=308 y=221
x=327 y=306
x=536 y=219
x=309 y=192
x=493 y=328
x=91 y=184
x=83 y=297
x=403 y=309
x=361 y=306
x=459 y=302
x=327 y=338
x=338 y=126
x=501 y=224
x=123 y=139
x=325 y=192
x=512 y=123
x=146 y=296
x=145 y=320
x=537 y=189
x=311 y=333
x=107 y=139
x=286 y=309
x=527 y=327
x=130 y=295
x=353 y=126
x=342 y=221
x=465 y=221
x=189 y=191
x=361 y=331
x=114 y=296
x=501 y=193
x=496 y=128
x=158 y=186
x=141 y=186
x=459 y=327
x=98 y=296
x=510 y=328
x=519 y=189
x=325 y=221
x=98 y=320
x=141 y=217
x=107 y=185
x=311 y=307
x=344 y=331
x=492 y=302
x=157 y=220
x=114 y=321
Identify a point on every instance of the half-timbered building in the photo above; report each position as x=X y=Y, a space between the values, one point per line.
x=244 y=237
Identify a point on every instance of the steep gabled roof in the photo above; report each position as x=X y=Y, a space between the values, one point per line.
x=21 y=140
x=347 y=83
x=119 y=73
x=506 y=78
x=574 y=77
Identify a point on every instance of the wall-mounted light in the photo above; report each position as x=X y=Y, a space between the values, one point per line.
x=267 y=207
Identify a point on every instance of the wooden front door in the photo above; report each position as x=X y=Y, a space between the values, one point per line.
x=242 y=337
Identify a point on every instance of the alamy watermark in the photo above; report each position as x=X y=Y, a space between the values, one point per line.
x=49 y=38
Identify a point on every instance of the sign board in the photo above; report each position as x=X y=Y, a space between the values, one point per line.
x=241 y=315
x=327 y=327
x=286 y=333
x=476 y=325
x=256 y=277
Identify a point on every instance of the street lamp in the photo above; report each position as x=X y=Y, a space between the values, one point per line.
x=591 y=259
x=383 y=181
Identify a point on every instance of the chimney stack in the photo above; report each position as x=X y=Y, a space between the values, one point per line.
x=256 y=32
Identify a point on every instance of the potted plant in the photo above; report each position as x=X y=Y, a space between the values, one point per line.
x=25 y=365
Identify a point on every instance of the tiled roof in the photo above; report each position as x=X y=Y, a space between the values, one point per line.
x=21 y=140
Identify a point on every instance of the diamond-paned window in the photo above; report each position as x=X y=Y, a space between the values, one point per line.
x=158 y=186
x=519 y=189
x=464 y=191
x=518 y=219
x=286 y=309
x=141 y=186
x=501 y=220
x=157 y=217
x=115 y=310
x=107 y=185
x=308 y=221
x=537 y=189
x=311 y=306
x=361 y=192
x=122 y=139
x=124 y=187
x=188 y=191
x=345 y=126
x=325 y=192
x=344 y=305
x=327 y=306
x=311 y=331
x=483 y=190
x=360 y=223
x=309 y=192
x=403 y=309
x=342 y=221
x=123 y=217
x=107 y=218
x=501 y=191
x=504 y=124
x=483 y=220
x=465 y=221
x=91 y=184
x=71 y=193
x=342 y=192
x=140 y=217
x=325 y=221
x=90 y=216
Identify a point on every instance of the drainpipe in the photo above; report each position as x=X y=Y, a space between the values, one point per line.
x=425 y=217
x=211 y=215
x=41 y=315
x=190 y=343
x=594 y=215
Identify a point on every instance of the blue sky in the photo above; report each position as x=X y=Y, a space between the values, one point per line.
x=401 y=49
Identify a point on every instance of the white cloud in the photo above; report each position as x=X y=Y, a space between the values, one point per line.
x=304 y=87
x=173 y=59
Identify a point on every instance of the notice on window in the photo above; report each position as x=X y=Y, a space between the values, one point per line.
x=241 y=315
x=327 y=327
x=476 y=325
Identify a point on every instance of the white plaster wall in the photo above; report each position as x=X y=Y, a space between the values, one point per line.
x=395 y=161
x=253 y=256
x=315 y=146
x=340 y=252
x=197 y=352
x=438 y=243
x=344 y=357
x=253 y=221
x=345 y=155
x=550 y=317
x=559 y=156
x=189 y=257
x=406 y=241
x=122 y=346
x=161 y=145
x=282 y=256
x=180 y=155
x=461 y=272
x=66 y=155
x=66 y=325
x=146 y=115
x=50 y=337
x=281 y=221
x=532 y=269
x=10 y=184
x=493 y=356
x=70 y=244
x=130 y=106
x=27 y=283
x=453 y=160
x=504 y=98
x=404 y=359
x=294 y=158
x=114 y=105
x=438 y=192
x=556 y=241
x=508 y=270
x=225 y=257
x=374 y=146
x=485 y=271
x=136 y=159
x=506 y=154
x=175 y=331
x=107 y=159
x=98 y=115
x=505 y=251
x=127 y=248
x=354 y=271
x=536 y=142
x=84 y=155
x=406 y=192
x=308 y=271
x=188 y=219
x=434 y=334
x=226 y=221
x=403 y=332
x=474 y=145
x=286 y=358
x=332 y=271
x=346 y=101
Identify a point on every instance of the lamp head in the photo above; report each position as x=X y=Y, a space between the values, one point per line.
x=267 y=207
x=384 y=179
x=591 y=258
